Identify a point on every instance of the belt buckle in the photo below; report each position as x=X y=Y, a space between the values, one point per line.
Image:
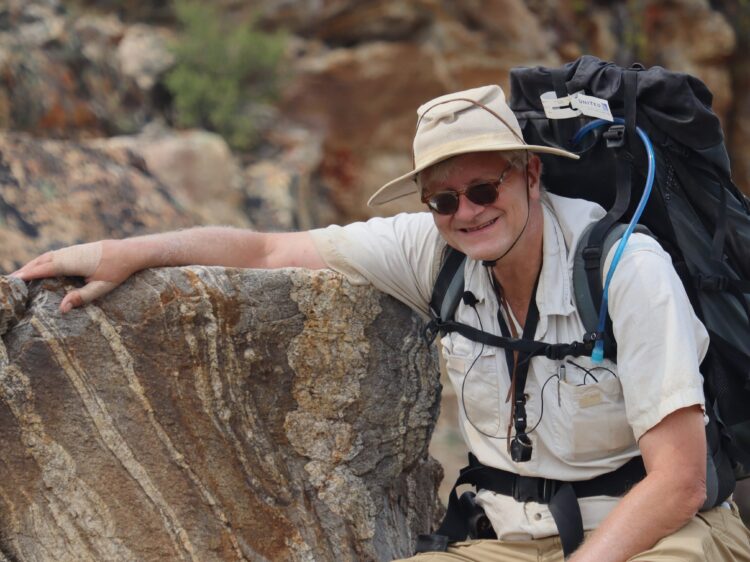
x=526 y=488
x=533 y=488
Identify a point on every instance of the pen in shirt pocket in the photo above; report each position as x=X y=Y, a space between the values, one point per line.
x=560 y=378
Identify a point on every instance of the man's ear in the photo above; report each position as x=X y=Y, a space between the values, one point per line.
x=534 y=175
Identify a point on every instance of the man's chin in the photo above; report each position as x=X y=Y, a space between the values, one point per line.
x=481 y=254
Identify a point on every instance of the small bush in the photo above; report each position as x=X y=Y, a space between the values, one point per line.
x=221 y=72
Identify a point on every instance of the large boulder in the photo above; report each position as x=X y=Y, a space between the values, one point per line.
x=55 y=193
x=64 y=76
x=197 y=166
x=215 y=414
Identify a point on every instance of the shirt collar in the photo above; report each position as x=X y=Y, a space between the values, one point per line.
x=564 y=222
x=554 y=295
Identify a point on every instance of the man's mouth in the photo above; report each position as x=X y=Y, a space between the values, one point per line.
x=480 y=227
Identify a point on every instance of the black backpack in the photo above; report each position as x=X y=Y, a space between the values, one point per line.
x=694 y=210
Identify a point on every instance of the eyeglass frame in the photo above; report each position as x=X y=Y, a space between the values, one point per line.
x=495 y=183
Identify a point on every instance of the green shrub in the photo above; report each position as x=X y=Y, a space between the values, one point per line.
x=221 y=72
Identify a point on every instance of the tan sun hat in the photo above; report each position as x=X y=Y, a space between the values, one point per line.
x=477 y=120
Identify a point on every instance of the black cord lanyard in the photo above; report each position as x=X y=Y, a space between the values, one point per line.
x=518 y=362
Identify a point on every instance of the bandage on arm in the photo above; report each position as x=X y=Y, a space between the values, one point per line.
x=83 y=260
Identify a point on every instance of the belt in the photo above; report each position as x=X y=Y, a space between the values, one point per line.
x=561 y=497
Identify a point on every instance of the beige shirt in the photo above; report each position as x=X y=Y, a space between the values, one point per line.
x=583 y=426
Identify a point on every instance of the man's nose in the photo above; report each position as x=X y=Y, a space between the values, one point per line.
x=467 y=209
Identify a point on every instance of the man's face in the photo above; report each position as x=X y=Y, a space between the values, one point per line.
x=484 y=232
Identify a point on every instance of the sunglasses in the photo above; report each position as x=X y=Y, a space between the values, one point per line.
x=485 y=193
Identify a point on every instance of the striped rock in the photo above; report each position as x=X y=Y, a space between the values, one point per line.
x=204 y=414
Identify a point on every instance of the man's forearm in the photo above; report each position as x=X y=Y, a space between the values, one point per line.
x=107 y=263
x=674 y=452
x=658 y=506
x=224 y=246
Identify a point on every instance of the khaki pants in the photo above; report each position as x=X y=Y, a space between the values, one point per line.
x=717 y=535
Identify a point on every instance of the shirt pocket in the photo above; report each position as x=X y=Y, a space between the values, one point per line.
x=476 y=377
x=590 y=422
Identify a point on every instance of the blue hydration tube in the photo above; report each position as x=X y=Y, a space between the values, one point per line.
x=597 y=356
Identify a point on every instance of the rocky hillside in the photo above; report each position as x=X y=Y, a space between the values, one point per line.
x=354 y=72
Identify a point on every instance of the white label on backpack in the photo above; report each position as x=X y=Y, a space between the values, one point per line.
x=591 y=106
x=558 y=108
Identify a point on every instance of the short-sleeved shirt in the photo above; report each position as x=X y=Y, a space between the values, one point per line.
x=584 y=419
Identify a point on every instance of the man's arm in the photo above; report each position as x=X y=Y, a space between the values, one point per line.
x=108 y=263
x=674 y=452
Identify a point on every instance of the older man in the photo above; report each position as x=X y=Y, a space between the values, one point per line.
x=573 y=421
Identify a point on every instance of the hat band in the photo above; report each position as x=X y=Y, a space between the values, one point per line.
x=498 y=141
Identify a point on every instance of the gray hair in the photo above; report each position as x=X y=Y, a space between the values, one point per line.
x=516 y=158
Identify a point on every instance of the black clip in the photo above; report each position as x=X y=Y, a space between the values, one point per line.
x=558 y=351
x=593 y=337
x=711 y=282
x=432 y=543
x=521 y=448
x=534 y=489
x=592 y=256
x=430 y=331
x=615 y=136
x=478 y=524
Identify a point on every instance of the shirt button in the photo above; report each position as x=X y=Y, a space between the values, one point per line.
x=537 y=516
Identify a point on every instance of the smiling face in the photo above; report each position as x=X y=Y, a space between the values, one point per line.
x=487 y=232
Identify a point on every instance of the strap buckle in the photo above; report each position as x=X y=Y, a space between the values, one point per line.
x=432 y=543
x=430 y=331
x=592 y=256
x=533 y=489
x=711 y=282
x=615 y=136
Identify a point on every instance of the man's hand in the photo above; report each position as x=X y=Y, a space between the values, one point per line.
x=108 y=263
x=104 y=265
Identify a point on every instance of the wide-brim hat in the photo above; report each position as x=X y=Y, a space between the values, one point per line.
x=476 y=120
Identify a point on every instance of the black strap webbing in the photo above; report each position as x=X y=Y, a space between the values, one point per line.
x=563 y=129
x=567 y=515
x=449 y=271
x=562 y=498
x=720 y=233
x=531 y=348
x=520 y=447
x=593 y=252
x=624 y=145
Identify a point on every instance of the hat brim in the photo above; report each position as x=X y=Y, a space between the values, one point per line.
x=406 y=184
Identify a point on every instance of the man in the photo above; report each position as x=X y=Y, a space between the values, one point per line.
x=579 y=421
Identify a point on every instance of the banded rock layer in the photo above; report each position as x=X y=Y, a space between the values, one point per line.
x=205 y=414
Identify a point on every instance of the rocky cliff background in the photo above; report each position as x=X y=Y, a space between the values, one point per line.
x=94 y=140
x=348 y=80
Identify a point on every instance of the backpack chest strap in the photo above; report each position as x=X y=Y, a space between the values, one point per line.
x=532 y=348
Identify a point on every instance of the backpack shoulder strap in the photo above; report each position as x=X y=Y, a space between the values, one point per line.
x=449 y=285
x=448 y=292
x=588 y=272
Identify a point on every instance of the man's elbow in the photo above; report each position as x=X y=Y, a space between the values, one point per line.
x=690 y=492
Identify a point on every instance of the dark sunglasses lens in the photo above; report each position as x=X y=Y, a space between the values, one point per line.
x=482 y=194
x=444 y=203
